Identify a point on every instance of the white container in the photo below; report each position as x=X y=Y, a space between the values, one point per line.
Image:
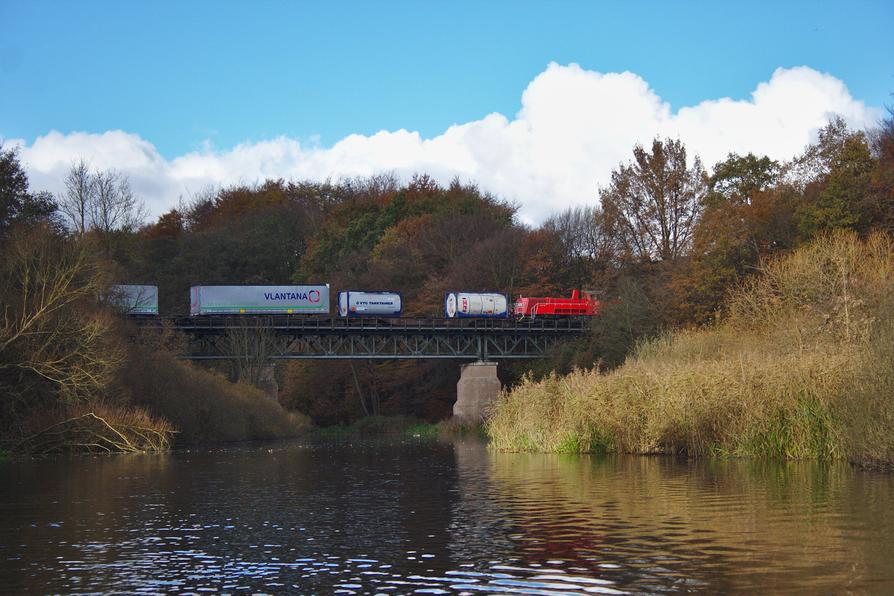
x=258 y=300
x=134 y=299
x=369 y=304
x=469 y=304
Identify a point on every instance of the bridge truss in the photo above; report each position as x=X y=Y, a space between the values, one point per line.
x=376 y=339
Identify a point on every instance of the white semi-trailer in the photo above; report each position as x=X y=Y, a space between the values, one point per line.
x=134 y=299
x=258 y=300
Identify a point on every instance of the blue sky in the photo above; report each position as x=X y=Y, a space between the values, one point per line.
x=184 y=95
x=186 y=72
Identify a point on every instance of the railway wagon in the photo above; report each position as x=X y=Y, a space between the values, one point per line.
x=134 y=299
x=352 y=303
x=259 y=300
x=577 y=306
x=463 y=305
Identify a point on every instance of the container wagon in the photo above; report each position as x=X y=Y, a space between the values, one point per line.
x=258 y=300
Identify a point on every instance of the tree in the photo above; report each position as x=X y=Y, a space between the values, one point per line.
x=588 y=248
x=745 y=218
x=654 y=201
x=56 y=346
x=736 y=179
x=17 y=203
x=840 y=202
x=77 y=201
x=251 y=345
x=818 y=158
x=737 y=196
x=115 y=207
x=625 y=321
x=881 y=206
x=102 y=201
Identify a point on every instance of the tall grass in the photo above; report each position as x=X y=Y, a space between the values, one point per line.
x=802 y=366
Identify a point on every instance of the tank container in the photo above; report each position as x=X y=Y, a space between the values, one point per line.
x=471 y=304
x=369 y=304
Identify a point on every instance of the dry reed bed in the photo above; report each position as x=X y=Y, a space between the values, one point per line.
x=801 y=366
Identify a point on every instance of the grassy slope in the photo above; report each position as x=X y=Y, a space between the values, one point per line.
x=802 y=366
x=203 y=406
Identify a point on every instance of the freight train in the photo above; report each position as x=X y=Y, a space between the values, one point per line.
x=142 y=300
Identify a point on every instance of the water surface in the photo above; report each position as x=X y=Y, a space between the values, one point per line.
x=415 y=516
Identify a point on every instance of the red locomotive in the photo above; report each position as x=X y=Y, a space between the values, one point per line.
x=576 y=306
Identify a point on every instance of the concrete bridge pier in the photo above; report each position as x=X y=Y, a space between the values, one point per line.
x=476 y=392
x=267 y=382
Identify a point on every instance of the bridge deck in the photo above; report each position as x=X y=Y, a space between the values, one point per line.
x=372 y=338
x=369 y=325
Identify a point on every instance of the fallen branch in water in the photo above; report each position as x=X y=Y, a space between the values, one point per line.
x=90 y=433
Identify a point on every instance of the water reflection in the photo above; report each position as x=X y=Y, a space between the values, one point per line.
x=660 y=523
x=404 y=517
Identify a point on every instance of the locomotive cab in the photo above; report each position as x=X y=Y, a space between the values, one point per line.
x=581 y=304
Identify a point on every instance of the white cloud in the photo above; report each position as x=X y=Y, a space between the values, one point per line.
x=573 y=128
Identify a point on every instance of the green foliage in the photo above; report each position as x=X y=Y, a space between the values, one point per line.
x=18 y=204
x=839 y=204
x=421 y=431
x=736 y=179
x=382 y=425
x=624 y=322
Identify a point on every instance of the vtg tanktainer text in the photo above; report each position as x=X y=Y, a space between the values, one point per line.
x=369 y=304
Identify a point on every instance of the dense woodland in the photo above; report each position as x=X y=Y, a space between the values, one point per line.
x=660 y=245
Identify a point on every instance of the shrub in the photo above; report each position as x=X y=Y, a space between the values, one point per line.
x=204 y=406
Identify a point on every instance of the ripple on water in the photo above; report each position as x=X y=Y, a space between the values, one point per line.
x=434 y=518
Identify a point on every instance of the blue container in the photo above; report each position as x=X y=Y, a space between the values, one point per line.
x=369 y=304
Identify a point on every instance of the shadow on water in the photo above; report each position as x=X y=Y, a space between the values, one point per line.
x=399 y=516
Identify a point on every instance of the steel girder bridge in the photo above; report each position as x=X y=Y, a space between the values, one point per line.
x=298 y=338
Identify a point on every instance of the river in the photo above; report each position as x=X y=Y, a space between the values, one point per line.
x=393 y=516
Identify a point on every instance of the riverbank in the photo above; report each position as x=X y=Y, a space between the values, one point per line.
x=406 y=426
x=801 y=366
